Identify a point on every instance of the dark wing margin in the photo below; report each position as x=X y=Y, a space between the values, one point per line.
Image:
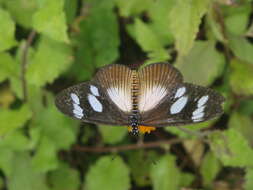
x=88 y=102
x=185 y=104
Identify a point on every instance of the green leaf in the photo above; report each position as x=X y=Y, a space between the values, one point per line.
x=6 y=160
x=140 y=163
x=228 y=147
x=194 y=129
x=50 y=20
x=109 y=172
x=243 y=124
x=15 y=141
x=246 y=107
x=165 y=174
x=51 y=122
x=70 y=8
x=237 y=18
x=132 y=7
x=100 y=33
x=242 y=48
x=51 y=55
x=7 y=31
x=185 y=19
x=112 y=135
x=149 y=42
x=7 y=64
x=248 y=178
x=209 y=168
x=45 y=158
x=204 y=58
x=23 y=176
x=22 y=11
x=64 y=178
x=159 y=13
x=241 y=73
x=8 y=122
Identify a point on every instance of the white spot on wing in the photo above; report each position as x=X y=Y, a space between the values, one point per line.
x=78 y=108
x=95 y=104
x=94 y=90
x=151 y=97
x=180 y=92
x=203 y=100
x=121 y=97
x=198 y=110
x=75 y=98
x=178 y=105
x=198 y=114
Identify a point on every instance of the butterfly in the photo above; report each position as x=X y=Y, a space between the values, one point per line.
x=154 y=96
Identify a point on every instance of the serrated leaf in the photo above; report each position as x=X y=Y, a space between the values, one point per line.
x=22 y=11
x=248 y=179
x=7 y=31
x=241 y=73
x=13 y=119
x=209 y=168
x=112 y=135
x=50 y=20
x=204 y=58
x=228 y=147
x=7 y=64
x=184 y=26
x=51 y=55
x=242 y=48
x=109 y=172
x=149 y=42
x=23 y=176
x=64 y=178
x=165 y=174
x=243 y=124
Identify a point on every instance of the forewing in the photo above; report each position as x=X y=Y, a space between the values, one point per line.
x=89 y=102
x=184 y=104
x=116 y=81
x=156 y=80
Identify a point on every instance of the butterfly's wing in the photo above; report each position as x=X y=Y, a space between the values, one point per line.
x=104 y=100
x=156 y=82
x=174 y=102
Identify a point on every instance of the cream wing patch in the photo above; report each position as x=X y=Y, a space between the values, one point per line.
x=121 y=98
x=151 y=97
x=116 y=82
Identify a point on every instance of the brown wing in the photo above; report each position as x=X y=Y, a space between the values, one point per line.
x=116 y=82
x=185 y=104
x=156 y=81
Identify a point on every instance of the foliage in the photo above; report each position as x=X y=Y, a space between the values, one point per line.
x=46 y=46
